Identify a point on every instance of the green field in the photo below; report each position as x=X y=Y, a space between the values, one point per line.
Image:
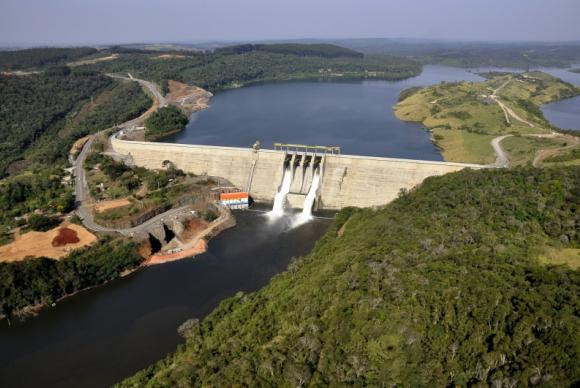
x=464 y=118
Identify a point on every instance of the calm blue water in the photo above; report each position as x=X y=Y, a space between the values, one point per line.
x=357 y=116
x=564 y=114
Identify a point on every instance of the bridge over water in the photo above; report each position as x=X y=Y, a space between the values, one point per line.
x=345 y=180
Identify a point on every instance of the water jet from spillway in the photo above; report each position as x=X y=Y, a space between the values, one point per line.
x=280 y=198
x=306 y=214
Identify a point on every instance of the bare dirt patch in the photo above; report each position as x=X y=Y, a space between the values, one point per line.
x=112 y=204
x=192 y=228
x=94 y=60
x=78 y=145
x=170 y=56
x=40 y=244
x=189 y=97
x=199 y=247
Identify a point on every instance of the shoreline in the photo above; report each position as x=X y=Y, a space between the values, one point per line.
x=199 y=245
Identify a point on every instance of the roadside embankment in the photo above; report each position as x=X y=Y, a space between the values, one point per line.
x=198 y=243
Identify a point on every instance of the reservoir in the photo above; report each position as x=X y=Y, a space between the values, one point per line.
x=564 y=114
x=100 y=336
x=355 y=115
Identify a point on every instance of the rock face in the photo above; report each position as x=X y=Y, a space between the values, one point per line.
x=190 y=98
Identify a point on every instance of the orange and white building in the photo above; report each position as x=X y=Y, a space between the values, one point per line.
x=238 y=200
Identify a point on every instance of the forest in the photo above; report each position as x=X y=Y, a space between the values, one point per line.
x=34 y=108
x=240 y=65
x=301 y=50
x=43 y=114
x=164 y=121
x=39 y=188
x=39 y=57
x=42 y=281
x=442 y=287
x=523 y=55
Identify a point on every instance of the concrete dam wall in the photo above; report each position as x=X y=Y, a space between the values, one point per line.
x=346 y=180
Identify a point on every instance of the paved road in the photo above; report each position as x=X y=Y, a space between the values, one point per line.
x=83 y=197
x=149 y=85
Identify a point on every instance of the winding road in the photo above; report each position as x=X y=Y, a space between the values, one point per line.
x=502 y=159
x=82 y=194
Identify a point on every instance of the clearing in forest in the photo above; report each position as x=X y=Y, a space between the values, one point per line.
x=55 y=243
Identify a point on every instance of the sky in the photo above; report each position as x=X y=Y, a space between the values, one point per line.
x=70 y=22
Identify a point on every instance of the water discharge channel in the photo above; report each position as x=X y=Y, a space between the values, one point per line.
x=100 y=336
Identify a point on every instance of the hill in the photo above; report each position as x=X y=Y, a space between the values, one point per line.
x=523 y=55
x=464 y=117
x=38 y=57
x=303 y=50
x=446 y=286
x=235 y=66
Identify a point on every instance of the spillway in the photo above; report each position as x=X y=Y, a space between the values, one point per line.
x=306 y=214
x=280 y=198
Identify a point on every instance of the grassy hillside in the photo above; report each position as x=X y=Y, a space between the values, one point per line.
x=464 y=118
x=451 y=284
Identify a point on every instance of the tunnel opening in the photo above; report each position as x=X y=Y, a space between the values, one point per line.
x=169 y=234
x=155 y=244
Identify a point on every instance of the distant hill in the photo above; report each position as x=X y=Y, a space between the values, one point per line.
x=38 y=57
x=303 y=50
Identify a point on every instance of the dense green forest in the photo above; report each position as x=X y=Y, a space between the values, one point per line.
x=41 y=115
x=38 y=57
x=33 y=109
x=123 y=102
x=522 y=57
x=301 y=50
x=165 y=120
x=232 y=67
x=471 y=54
x=40 y=188
x=42 y=281
x=442 y=287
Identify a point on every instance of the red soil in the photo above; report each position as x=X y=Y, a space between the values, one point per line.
x=65 y=236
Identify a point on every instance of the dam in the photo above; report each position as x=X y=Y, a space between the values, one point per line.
x=343 y=180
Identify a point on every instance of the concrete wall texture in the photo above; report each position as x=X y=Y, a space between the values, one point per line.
x=346 y=181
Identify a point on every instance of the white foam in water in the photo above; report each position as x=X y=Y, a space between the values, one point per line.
x=306 y=214
x=280 y=198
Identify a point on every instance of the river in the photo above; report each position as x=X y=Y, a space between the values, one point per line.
x=100 y=336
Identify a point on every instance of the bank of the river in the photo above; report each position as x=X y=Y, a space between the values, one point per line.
x=115 y=330
x=564 y=114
